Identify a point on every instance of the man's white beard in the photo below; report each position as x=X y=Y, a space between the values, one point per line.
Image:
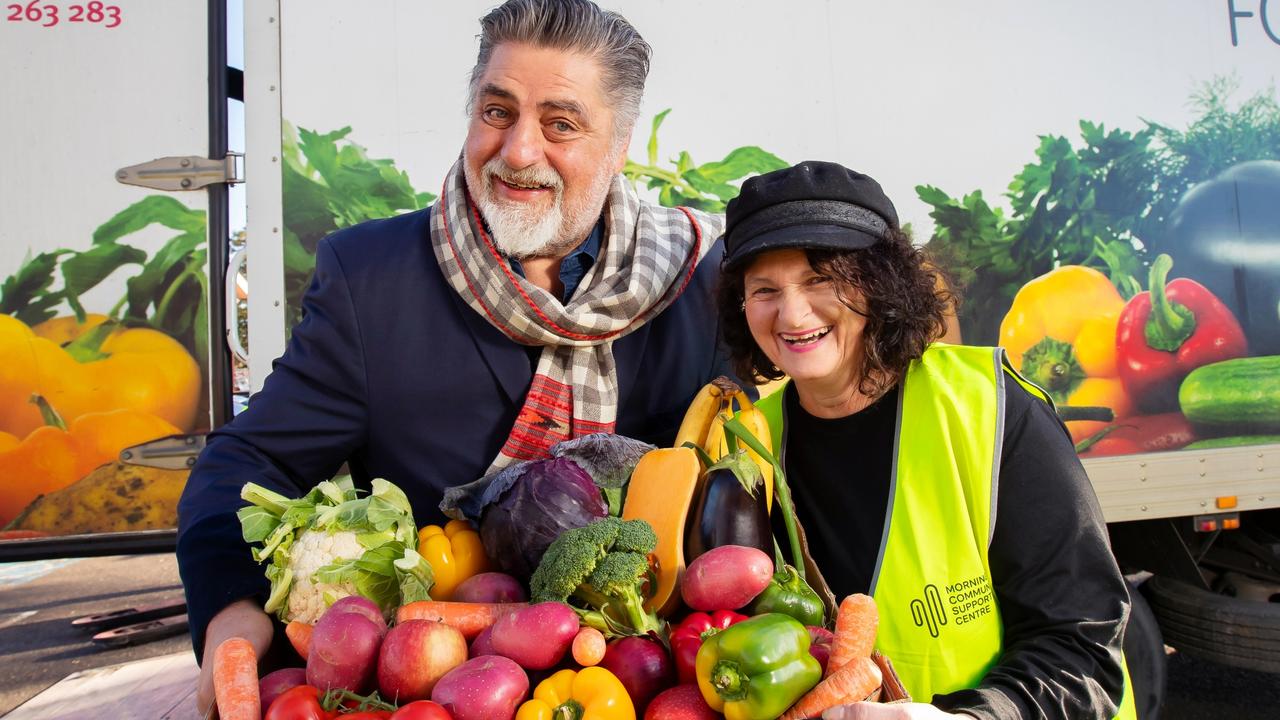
x=520 y=231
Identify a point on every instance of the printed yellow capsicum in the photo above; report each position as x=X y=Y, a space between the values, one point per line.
x=454 y=552
x=95 y=366
x=590 y=694
x=56 y=455
x=1060 y=333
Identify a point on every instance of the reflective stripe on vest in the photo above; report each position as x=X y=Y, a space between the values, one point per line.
x=939 y=617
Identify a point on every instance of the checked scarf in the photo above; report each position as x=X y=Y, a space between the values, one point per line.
x=648 y=255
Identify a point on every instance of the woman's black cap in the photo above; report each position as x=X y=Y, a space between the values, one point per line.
x=812 y=205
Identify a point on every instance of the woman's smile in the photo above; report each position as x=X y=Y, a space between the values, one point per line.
x=805 y=341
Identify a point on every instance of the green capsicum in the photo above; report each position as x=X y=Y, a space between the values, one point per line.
x=790 y=595
x=758 y=668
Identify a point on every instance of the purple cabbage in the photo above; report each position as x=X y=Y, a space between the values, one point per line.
x=549 y=497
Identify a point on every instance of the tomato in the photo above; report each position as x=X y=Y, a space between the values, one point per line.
x=299 y=703
x=366 y=715
x=422 y=710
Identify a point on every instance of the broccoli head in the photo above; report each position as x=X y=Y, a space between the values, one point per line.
x=635 y=536
x=603 y=565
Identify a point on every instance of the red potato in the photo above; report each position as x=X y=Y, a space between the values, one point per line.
x=484 y=688
x=725 y=578
x=482 y=644
x=414 y=656
x=421 y=710
x=682 y=702
x=362 y=606
x=537 y=636
x=490 y=587
x=278 y=682
x=344 y=652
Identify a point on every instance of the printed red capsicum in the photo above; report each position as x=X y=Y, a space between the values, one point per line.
x=1169 y=331
x=1140 y=434
x=687 y=637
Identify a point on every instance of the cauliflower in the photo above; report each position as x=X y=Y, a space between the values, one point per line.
x=313 y=550
x=331 y=543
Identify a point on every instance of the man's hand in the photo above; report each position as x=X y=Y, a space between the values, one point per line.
x=888 y=711
x=243 y=618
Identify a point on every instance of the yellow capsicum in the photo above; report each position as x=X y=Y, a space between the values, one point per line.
x=454 y=552
x=590 y=694
x=93 y=367
x=54 y=456
x=1060 y=333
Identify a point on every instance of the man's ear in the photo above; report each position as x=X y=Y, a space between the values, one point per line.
x=621 y=160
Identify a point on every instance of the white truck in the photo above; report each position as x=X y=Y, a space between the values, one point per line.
x=1049 y=154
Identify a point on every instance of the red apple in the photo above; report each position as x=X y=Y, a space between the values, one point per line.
x=682 y=702
x=415 y=654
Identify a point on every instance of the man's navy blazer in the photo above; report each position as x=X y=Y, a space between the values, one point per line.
x=392 y=372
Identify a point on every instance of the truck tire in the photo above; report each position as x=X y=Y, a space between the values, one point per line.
x=1231 y=631
x=1144 y=655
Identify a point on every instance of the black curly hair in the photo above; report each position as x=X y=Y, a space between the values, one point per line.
x=907 y=302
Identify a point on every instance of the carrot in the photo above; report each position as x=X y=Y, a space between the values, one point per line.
x=299 y=634
x=467 y=617
x=588 y=647
x=235 y=680
x=852 y=683
x=855 y=636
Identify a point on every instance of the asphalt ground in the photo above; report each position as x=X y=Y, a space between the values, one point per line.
x=38 y=601
x=39 y=647
x=1202 y=690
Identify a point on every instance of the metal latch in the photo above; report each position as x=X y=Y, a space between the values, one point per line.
x=184 y=173
x=175 y=452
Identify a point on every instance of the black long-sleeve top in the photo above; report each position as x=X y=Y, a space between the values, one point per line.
x=1063 y=601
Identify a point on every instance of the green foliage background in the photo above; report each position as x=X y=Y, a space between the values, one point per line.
x=1097 y=202
x=1093 y=202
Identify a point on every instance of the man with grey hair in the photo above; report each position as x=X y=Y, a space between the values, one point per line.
x=539 y=299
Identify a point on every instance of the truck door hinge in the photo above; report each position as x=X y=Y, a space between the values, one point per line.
x=184 y=173
x=175 y=452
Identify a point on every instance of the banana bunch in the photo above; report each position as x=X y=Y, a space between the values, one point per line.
x=703 y=425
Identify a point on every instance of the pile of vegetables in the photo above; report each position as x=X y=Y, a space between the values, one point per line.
x=479 y=659
x=584 y=634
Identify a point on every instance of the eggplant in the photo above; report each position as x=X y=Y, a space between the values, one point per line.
x=1223 y=235
x=726 y=514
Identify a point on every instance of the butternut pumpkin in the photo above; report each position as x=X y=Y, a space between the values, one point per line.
x=661 y=491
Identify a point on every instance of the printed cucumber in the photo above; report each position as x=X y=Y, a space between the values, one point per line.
x=1243 y=393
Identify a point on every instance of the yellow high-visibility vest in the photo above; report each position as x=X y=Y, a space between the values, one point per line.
x=939 y=616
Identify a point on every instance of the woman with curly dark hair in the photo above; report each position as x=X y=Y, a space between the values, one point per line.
x=927 y=475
